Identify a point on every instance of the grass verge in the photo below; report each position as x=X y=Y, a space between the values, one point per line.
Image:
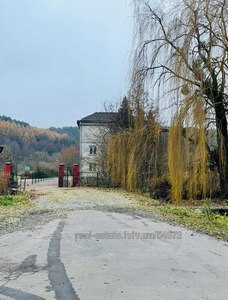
x=12 y=207
x=198 y=219
x=13 y=200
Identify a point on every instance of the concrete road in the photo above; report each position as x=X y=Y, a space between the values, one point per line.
x=91 y=254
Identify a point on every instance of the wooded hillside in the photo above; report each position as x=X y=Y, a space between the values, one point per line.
x=25 y=144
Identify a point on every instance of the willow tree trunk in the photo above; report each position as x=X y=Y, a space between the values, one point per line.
x=222 y=141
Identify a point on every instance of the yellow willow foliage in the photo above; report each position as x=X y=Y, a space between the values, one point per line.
x=128 y=155
x=131 y=165
x=139 y=120
x=187 y=156
x=175 y=160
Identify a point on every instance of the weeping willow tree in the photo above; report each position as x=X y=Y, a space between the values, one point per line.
x=187 y=156
x=182 y=54
x=132 y=151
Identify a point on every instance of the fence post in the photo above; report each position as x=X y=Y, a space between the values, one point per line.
x=7 y=172
x=61 y=175
x=24 y=184
x=75 y=175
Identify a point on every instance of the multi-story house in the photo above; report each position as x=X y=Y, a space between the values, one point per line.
x=93 y=131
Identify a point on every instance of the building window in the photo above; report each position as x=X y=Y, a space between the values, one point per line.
x=92 y=167
x=92 y=150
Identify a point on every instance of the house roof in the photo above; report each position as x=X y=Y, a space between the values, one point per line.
x=99 y=118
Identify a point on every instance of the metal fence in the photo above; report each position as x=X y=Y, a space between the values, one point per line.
x=97 y=179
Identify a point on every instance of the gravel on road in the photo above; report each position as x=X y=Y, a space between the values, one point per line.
x=49 y=202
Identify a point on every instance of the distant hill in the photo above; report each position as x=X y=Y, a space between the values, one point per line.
x=24 y=143
x=70 y=131
x=10 y=120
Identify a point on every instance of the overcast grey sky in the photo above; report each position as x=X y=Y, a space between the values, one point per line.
x=61 y=59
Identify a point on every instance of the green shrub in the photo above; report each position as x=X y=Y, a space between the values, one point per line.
x=6 y=200
x=11 y=200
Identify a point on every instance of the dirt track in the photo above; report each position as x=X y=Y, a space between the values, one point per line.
x=96 y=244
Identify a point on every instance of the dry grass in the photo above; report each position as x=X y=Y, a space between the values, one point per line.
x=13 y=207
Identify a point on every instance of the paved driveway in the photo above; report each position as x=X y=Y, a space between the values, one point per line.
x=94 y=252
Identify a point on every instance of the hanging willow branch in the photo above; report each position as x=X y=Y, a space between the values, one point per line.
x=184 y=52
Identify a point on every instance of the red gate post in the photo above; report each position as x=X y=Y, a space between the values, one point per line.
x=75 y=175
x=7 y=172
x=61 y=175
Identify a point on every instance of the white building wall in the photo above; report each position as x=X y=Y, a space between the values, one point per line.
x=90 y=135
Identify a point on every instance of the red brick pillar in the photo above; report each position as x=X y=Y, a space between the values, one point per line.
x=75 y=175
x=61 y=175
x=7 y=172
